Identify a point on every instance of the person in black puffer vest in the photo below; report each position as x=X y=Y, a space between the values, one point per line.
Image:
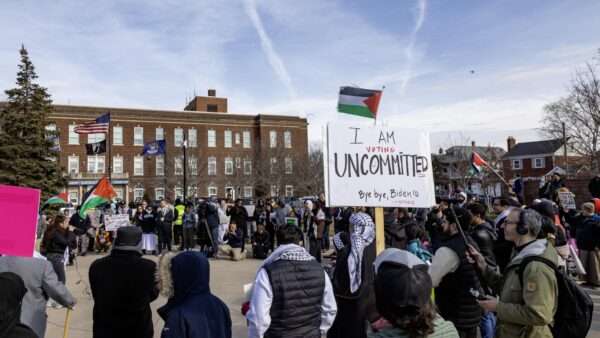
x=292 y=296
x=454 y=277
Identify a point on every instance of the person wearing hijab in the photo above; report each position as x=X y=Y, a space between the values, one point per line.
x=12 y=291
x=353 y=279
x=192 y=311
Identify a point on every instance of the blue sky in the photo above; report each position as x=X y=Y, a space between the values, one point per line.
x=290 y=57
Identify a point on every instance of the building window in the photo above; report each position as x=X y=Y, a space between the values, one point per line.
x=138 y=194
x=539 y=163
x=159 y=193
x=192 y=138
x=192 y=191
x=118 y=136
x=227 y=135
x=160 y=134
x=212 y=138
x=246 y=139
x=228 y=166
x=179 y=193
x=517 y=164
x=73 y=196
x=119 y=192
x=178 y=135
x=237 y=138
x=117 y=165
x=193 y=166
x=160 y=165
x=94 y=138
x=73 y=165
x=212 y=191
x=289 y=190
x=274 y=190
x=212 y=166
x=73 y=136
x=138 y=166
x=212 y=108
x=247 y=167
x=273 y=165
x=138 y=136
x=273 y=139
x=53 y=136
x=95 y=164
x=178 y=166
x=288 y=165
x=238 y=163
x=248 y=190
x=287 y=139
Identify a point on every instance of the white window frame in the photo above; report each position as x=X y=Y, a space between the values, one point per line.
x=248 y=191
x=193 y=164
x=95 y=161
x=212 y=191
x=212 y=166
x=159 y=165
x=228 y=166
x=237 y=138
x=138 y=193
x=289 y=191
x=120 y=192
x=192 y=138
x=159 y=134
x=227 y=142
x=178 y=137
x=96 y=137
x=274 y=190
x=138 y=165
x=273 y=165
x=117 y=164
x=178 y=193
x=117 y=136
x=247 y=167
x=289 y=166
x=273 y=139
x=138 y=136
x=246 y=140
x=73 y=196
x=542 y=163
x=178 y=162
x=73 y=136
x=211 y=136
x=159 y=193
x=73 y=164
x=287 y=139
x=516 y=167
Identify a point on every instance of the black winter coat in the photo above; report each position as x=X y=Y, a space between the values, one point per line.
x=239 y=216
x=483 y=234
x=594 y=187
x=212 y=215
x=123 y=286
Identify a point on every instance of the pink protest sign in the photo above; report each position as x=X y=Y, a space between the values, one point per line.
x=18 y=220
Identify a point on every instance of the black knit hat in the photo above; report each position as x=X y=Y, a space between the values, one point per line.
x=129 y=239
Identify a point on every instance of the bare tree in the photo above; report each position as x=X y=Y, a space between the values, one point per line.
x=580 y=111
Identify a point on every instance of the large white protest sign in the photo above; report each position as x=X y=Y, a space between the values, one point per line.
x=114 y=222
x=377 y=166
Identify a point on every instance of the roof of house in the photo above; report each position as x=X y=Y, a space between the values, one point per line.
x=534 y=148
x=462 y=153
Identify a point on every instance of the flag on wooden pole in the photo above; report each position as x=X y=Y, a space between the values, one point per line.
x=359 y=101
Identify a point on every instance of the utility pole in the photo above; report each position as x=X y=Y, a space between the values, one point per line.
x=564 y=137
x=184 y=146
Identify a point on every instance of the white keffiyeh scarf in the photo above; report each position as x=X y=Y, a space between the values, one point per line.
x=362 y=235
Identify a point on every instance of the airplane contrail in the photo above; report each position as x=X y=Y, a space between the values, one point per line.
x=409 y=51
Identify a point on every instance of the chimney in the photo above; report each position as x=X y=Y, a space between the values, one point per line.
x=441 y=151
x=510 y=143
x=472 y=144
x=212 y=92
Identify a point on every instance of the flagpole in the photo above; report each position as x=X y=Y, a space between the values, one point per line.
x=498 y=174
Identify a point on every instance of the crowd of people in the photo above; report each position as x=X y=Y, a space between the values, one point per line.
x=459 y=269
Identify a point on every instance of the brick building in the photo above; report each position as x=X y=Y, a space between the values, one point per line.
x=228 y=154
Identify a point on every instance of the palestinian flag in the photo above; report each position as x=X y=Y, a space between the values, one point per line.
x=101 y=193
x=359 y=101
x=477 y=162
x=58 y=199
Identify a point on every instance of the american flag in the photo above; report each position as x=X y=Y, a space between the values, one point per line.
x=98 y=126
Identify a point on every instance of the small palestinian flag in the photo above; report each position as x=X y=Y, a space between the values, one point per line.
x=359 y=101
x=477 y=162
x=58 y=199
x=101 y=193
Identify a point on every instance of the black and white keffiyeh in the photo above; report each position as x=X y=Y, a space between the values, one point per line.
x=362 y=235
x=337 y=241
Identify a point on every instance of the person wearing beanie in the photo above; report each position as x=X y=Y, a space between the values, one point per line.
x=528 y=306
x=403 y=297
x=454 y=277
x=123 y=286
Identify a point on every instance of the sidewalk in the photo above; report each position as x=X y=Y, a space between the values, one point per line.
x=227 y=279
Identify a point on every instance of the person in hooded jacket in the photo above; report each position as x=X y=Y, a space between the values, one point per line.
x=353 y=280
x=192 y=311
x=12 y=291
x=588 y=243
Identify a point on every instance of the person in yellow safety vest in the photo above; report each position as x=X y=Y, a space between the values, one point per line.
x=178 y=224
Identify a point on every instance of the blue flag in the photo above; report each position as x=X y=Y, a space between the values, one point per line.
x=154 y=148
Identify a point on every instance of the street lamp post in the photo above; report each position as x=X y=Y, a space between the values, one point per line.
x=184 y=146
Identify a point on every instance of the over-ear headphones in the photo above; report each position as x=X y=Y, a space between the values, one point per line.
x=522 y=228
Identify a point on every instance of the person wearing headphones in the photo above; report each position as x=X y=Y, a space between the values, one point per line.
x=526 y=306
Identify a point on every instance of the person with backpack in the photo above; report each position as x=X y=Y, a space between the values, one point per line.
x=527 y=305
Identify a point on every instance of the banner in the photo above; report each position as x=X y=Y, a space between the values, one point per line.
x=377 y=166
x=19 y=210
x=567 y=200
x=114 y=222
x=291 y=221
x=95 y=148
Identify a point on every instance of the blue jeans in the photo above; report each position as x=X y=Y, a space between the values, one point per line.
x=487 y=326
x=215 y=239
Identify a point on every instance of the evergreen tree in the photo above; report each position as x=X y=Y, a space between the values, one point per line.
x=28 y=156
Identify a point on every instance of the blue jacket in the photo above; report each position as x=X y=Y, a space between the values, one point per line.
x=193 y=312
